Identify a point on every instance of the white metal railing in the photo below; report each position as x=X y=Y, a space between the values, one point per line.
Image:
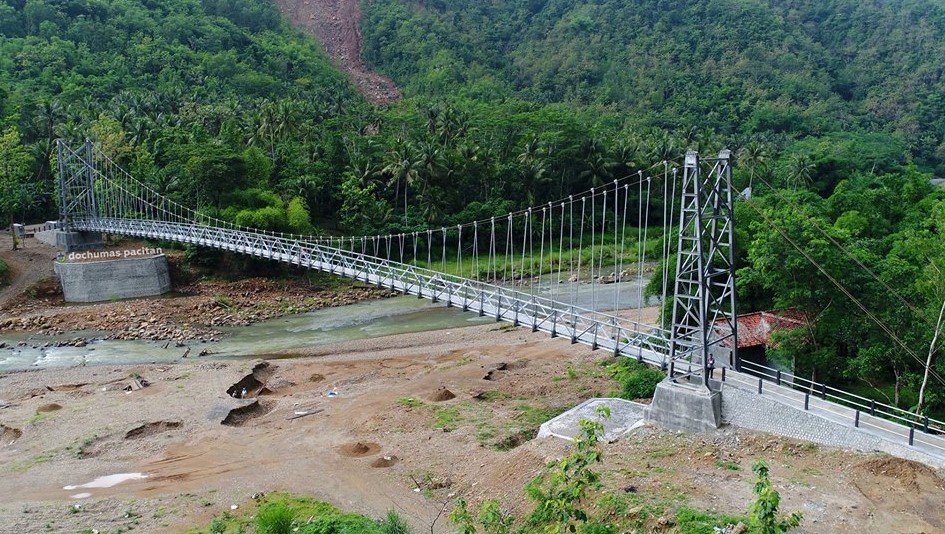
x=599 y=330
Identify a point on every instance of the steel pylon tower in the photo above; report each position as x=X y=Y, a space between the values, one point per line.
x=704 y=297
x=76 y=183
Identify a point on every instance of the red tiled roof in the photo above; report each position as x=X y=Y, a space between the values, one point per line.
x=755 y=329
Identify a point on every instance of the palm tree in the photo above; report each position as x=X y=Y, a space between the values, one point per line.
x=534 y=170
x=752 y=156
x=800 y=169
x=402 y=167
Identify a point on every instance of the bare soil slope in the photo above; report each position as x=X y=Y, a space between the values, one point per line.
x=27 y=265
x=335 y=23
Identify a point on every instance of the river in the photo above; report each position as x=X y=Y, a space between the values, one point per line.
x=330 y=325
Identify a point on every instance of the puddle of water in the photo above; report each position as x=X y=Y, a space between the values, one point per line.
x=106 y=481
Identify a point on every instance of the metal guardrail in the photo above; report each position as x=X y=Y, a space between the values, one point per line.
x=893 y=423
x=598 y=330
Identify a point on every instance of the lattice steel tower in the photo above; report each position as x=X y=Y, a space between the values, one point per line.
x=704 y=297
x=77 y=179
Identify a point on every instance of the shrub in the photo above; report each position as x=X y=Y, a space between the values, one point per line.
x=393 y=524
x=637 y=380
x=275 y=518
x=763 y=514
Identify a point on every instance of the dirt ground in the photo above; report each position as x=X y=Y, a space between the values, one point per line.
x=388 y=427
x=449 y=413
x=336 y=24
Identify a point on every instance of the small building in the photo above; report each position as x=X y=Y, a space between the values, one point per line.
x=755 y=329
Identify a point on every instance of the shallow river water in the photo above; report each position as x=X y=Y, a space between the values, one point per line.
x=330 y=325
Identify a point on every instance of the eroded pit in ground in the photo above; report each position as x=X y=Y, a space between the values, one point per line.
x=253 y=384
x=8 y=435
x=246 y=413
x=150 y=429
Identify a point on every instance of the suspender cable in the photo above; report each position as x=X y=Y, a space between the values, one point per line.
x=623 y=238
x=508 y=241
x=429 y=249
x=646 y=218
x=593 y=242
x=525 y=235
x=560 y=248
x=665 y=257
x=475 y=251
x=459 y=249
x=541 y=252
x=603 y=228
x=672 y=211
x=580 y=249
x=402 y=243
x=444 y=249
x=492 y=259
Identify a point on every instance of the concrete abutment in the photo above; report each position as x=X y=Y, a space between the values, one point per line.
x=97 y=281
x=685 y=407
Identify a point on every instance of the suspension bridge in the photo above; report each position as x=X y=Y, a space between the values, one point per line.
x=561 y=268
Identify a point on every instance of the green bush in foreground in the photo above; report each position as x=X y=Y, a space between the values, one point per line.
x=764 y=516
x=280 y=513
x=637 y=380
x=4 y=274
x=275 y=518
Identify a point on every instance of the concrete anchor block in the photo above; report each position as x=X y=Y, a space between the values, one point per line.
x=686 y=408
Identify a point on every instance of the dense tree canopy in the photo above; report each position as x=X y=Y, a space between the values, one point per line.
x=803 y=67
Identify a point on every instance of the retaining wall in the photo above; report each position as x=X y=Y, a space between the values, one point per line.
x=97 y=281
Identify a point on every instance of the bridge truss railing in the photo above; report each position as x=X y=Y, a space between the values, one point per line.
x=598 y=330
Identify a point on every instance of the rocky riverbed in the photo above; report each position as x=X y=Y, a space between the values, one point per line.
x=194 y=313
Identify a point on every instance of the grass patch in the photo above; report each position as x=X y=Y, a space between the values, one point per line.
x=534 y=416
x=524 y=427
x=409 y=402
x=662 y=452
x=447 y=418
x=24 y=466
x=699 y=522
x=731 y=466
x=495 y=395
x=38 y=418
x=281 y=513
x=4 y=274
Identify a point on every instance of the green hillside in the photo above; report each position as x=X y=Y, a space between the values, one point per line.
x=805 y=67
x=193 y=97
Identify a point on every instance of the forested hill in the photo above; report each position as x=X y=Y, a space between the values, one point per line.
x=195 y=97
x=735 y=66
